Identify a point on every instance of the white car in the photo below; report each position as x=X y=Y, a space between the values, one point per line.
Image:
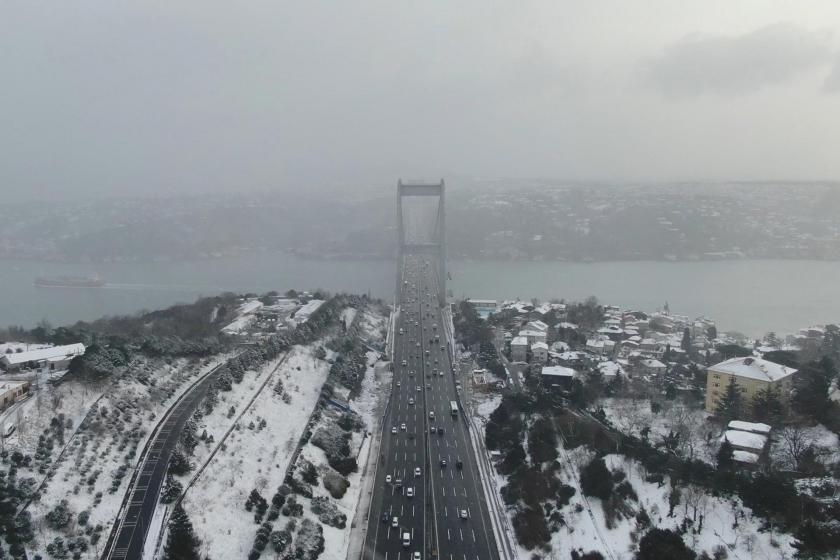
x=464 y=514
x=399 y=384
x=418 y=388
x=395 y=521
x=402 y=426
x=416 y=471
x=388 y=478
x=409 y=492
x=410 y=401
x=416 y=556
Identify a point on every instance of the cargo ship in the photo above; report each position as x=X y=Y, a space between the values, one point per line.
x=69 y=282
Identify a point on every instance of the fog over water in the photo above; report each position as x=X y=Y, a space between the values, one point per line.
x=748 y=296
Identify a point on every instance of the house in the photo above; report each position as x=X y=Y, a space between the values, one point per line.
x=519 y=349
x=11 y=391
x=539 y=352
x=752 y=375
x=652 y=366
x=533 y=335
x=570 y=359
x=536 y=326
x=52 y=358
x=600 y=345
x=610 y=370
x=558 y=377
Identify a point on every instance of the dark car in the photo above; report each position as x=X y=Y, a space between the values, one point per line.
x=385 y=517
x=459 y=465
x=440 y=431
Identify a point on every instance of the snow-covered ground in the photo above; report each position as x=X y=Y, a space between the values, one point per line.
x=585 y=531
x=698 y=437
x=251 y=458
x=94 y=472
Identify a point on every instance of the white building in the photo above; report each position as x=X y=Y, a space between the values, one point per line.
x=519 y=349
x=53 y=358
x=557 y=376
x=539 y=352
x=303 y=314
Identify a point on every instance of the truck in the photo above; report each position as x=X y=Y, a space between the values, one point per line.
x=453 y=408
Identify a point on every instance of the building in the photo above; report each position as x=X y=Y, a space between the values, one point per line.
x=557 y=377
x=653 y=366
x=747 y=447
x=752 y=375
x=519 y=349
x=11 y=391
x=539 y=352
x=53 y=358
x=303 y=314
x=533 y=335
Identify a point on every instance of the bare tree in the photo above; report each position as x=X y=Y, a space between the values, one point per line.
x=795 y=440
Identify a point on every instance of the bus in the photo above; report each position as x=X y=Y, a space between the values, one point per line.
x=453 y=408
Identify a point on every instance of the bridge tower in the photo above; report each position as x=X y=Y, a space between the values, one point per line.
x=436 y=246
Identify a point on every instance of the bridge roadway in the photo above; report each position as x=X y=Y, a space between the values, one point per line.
x=433 y=516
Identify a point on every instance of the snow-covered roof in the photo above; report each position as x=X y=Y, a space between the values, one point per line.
x=610 y=369
x=566 y=325
x=249 y=306
x=754 y=427
x=482 y=301
x=744 y=456
x=6 y=386
x=537 y=326
x=519 y=341
x=594 y=343
x=530 y=332
x=44 y=354
x=558 y=371
x=569 y=356
x=653 y=364
x=539 y=346
x=744 y=439
x=753 y=368
x=610 y=330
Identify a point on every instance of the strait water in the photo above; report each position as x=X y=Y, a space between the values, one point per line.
x=749 y=296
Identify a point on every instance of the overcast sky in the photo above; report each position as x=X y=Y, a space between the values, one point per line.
x=121 y=97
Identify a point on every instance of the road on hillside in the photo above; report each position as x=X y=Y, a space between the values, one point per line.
x=445 y=512
x=129 y=531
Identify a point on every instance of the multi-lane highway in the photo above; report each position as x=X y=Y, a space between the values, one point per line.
x=427 y=501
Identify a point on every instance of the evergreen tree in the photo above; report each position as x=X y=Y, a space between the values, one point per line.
x=658 y=544
x=767 y=406
x=596 y=480
x=686 y=340
x=724 y=456
x=729 y=405
x=181 y=542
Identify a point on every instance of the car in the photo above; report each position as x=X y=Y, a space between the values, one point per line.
x=385 y=517
x=418 y=388
x=431 y=414
x=409 y=492
x=388 y=478
x=442 y=463
x=440 y=431
x=432 y=430
x=402 y=426
x=439 y=375
x=464 y=514
x=428 y=386
x=442 y=347
x=459 y=465
x=411 y=401
x=418 y=345
x=398 y=483
x=406 y=540
x=416 y=471
x=395 y=521
x=399 y=384
x=394 y=430
x=415 y=556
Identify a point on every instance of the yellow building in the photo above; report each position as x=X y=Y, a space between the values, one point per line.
x=752 y=375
